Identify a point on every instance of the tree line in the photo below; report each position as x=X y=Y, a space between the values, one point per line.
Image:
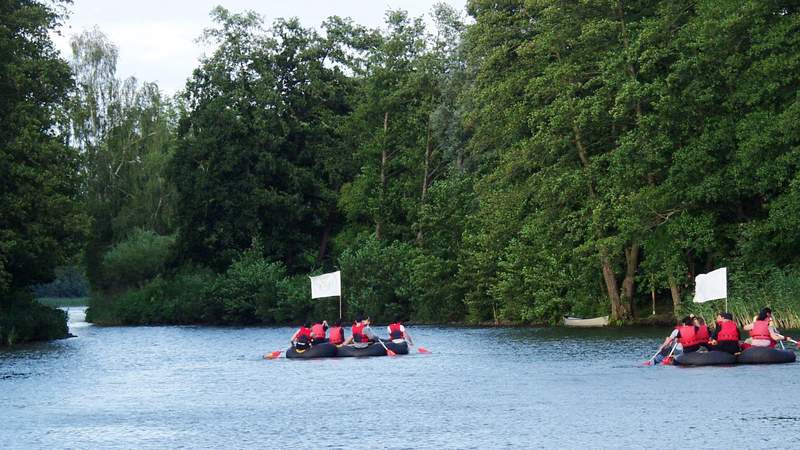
x=529 y=160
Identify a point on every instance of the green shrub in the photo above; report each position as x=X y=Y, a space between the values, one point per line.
x=135 y=260
x=70 y=282
x=180 y=299
x=22 y=320
x=249 y=291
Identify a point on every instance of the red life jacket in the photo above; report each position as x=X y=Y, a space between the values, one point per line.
x=702 y=334
x=337 y=335
x=395 y=332
x=358 y=333
x=318 y=331
x=727 y=331
x=304 y=335
x=760 y=330
x=688 y=336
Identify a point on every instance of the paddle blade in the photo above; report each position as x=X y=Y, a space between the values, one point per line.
x=666 y=361
x=423 y=350
x=390 y=353
x=273 y=355
x=648 y=363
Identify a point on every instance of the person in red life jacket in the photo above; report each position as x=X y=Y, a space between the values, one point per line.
x=336 y=333
x=703 y=336
x=361 y=333
x=725 y=337
x=301 y=339
x=397 y=332
x=684 y=337
x=318 y=332
x=762 y=332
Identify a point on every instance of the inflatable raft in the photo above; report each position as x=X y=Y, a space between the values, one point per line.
x=399 y=347
x=712 y=358
x=327 y=350
x=766 y=355
x=359 y=350
x=324 y=350
x=373 y=349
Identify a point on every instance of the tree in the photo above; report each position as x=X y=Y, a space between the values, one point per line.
x=40 y=223
x=126 y=134
x=259 y=153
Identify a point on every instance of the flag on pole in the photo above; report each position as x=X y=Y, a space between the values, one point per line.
x=326 y=285
x=711 y=286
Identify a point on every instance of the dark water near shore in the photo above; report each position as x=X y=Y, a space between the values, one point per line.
x=199 y=387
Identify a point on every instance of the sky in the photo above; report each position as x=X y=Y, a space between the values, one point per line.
x=157 y=39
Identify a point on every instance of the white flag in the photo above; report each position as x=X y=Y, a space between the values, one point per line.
x=326 y=285
x=711 y=286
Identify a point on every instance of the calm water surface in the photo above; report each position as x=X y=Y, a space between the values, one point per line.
x=200 y=387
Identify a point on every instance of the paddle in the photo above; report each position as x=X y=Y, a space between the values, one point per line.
x=273 y=355
x=667 y=360
x=388 y=352
x=649 y=362
x=797 y=344
x=423 y=350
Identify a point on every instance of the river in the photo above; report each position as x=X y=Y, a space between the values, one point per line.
x=209 y=387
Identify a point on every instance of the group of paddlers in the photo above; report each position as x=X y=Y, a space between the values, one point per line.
x=692 y=334
x=360 y=333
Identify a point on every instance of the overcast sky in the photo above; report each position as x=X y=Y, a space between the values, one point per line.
x=156 y=39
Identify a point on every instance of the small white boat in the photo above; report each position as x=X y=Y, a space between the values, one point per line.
x=577 y=322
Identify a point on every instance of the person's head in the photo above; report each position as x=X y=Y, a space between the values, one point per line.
x=699 y=321
x=307 y=324
x=338 y=323
x=688 y=320
x=727 y=316
x=764 y=314
x=720 y=316
x=366 y=320
x=397 y=320
x=359 y=318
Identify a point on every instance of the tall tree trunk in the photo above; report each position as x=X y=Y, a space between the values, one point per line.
x=384 y=157
x=425 y=176
x=674 y=289
x=628 y=284
x=617 y=311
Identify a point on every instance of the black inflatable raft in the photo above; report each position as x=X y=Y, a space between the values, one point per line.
x=358 y=350
x=323 y=350
x=712 y=358
x=401 y=347
x=373 y=349
x=765 y=355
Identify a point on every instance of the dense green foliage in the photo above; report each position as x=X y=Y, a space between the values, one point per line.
x=69 y=282
x=40 y=223
x=542 y=158
x=22 y=319
x=135 y=260
x=126 y=133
